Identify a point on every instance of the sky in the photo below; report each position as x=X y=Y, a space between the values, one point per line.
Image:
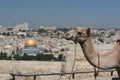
x=61 y=13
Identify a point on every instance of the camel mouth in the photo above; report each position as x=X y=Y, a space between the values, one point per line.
x=81 y=39
x=67 y=38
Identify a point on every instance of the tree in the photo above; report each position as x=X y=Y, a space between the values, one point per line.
x=62 y=29
x=42 y=31
x=45 y=57
x=8 y=34
x=60 y=57
x=101 y=40
x=39 y=57
x=3 y=56
x=4 y=33
x=17 y=57
x=49 y=57
x=26 y=57
x=9 y=58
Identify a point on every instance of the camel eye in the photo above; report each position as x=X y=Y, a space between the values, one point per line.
x=79 y=33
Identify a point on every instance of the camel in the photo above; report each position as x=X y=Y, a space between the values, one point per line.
x=109 y=60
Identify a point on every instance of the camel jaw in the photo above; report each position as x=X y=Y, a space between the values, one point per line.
x=81 y=40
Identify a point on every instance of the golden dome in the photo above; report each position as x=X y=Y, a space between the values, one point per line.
x=30 y=42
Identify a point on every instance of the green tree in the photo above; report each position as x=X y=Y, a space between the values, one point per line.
x=40 y=56
x=60 y=57
x=26 y=57
x=4 y=33
x=17 y=57
x=101 y=40
x=9 y=58
x=62 y=29
x=8 y=34
x=3 y=56
x=42 y=31
x=49 y=57
x=44 y=57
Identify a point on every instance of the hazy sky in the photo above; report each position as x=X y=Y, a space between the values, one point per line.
x=90 y=13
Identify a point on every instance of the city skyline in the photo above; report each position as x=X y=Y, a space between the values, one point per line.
x=61 y=13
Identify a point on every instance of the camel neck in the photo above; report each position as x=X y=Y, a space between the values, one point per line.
x=88 y=50
x=92 y=56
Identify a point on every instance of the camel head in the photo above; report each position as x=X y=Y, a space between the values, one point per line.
x=70 y=35
x=78 y=35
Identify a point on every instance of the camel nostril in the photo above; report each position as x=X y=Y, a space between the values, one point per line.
x=67 y=34
x=118 y=40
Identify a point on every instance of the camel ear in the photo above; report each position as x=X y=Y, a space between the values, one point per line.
x=88 y=31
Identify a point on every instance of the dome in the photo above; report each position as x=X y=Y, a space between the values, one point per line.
x=30 y=42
